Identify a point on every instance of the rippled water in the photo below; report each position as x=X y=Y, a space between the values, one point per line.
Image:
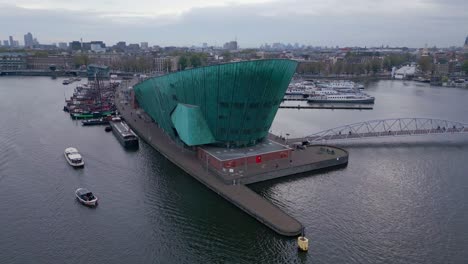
x=404 y=201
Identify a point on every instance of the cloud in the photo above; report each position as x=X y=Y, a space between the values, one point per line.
x=355 y=22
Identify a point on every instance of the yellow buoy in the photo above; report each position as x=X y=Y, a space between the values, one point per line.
x=303 y=243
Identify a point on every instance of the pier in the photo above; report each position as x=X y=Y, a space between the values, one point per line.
x=233 y=187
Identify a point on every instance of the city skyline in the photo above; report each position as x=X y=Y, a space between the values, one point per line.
x=185 y=23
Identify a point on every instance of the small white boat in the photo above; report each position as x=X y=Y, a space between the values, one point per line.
x=73 y=157
x=86 y=197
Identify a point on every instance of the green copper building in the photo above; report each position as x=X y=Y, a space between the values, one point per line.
x=231 y=104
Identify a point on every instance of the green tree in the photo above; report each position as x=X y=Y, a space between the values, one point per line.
x=226 y=55
x=465 y=67
x=81 y=60
x=375 y=66
x=195 y=60
x=338 y=67
x=425 y=63
x=367 y=67
x=41 y=53
x=183 y=62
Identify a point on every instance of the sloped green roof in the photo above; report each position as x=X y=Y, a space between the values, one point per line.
x=237 y=100
x=191 y=126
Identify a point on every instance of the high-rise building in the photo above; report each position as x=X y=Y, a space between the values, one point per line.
x=62 y=45
x=144 y=45
x=133 y=47
x=12 y=42
x=121 y=45
x=75 y=45
x=99 y=42
x=466 y=44
x=231 y=45
x=28 y=40
x=5 y=43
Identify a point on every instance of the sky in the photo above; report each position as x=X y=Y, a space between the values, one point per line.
x=410 y=23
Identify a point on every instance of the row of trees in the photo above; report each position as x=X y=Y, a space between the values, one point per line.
x=354 y=64
x=340 y=67
x=192 y=60
x=134 y=64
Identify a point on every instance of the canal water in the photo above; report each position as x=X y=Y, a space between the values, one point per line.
x=403 y=200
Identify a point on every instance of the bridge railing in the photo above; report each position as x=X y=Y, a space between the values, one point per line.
x=388 y=127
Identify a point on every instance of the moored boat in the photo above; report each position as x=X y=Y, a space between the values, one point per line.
x=73 y=157
x=86 y=197
x=124 y=134
x=94 y=122
x=359 y=98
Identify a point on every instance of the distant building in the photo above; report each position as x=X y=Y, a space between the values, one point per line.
x=46 y=46
x=28 y=40
x=12 y=42
x=75 y=45
x=441 y=69
x=466 y=44
x=86 y=46
x=99 y=71
x=133 y=46
x=231 y=45
x=15 y=43
x=5 y=43
x=121 y=45
x=97 y=48
x=44 y=63
x=405 y=72
x=12 y=61
x=144 y=45
x=63 y=45
x=165 y=64
x=99 y=42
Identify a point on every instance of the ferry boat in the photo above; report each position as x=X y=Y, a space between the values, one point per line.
x=73 y=157
x=340 y=85
x=94 y=122
x=358 y=98
x=298 y=91
x=86 y=197
x=124 y=134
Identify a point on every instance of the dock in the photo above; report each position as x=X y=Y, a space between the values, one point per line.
x=234 y=190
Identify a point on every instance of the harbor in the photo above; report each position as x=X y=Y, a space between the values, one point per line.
x=150 y=208
x=94 y=99
x=96 y=104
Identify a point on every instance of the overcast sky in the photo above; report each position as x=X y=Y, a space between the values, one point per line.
x=411 y=23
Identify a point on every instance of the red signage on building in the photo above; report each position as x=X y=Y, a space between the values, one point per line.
x=258 y=159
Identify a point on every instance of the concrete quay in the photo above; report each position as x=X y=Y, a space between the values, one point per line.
x=233 y=191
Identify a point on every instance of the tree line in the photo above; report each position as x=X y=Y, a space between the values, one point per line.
x=355 y=64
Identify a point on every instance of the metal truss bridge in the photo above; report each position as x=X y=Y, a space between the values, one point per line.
x=387 y=128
